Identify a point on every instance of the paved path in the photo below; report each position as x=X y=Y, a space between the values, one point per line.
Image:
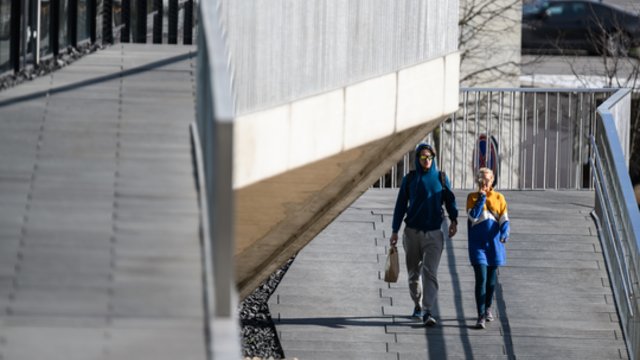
x=553 y=299
x=99 y=244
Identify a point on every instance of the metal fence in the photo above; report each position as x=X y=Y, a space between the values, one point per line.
x=35 y=30
x=531 y=138
x=617 y=215
x=148 y=21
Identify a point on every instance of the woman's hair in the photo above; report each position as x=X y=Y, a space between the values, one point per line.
x=482 y=172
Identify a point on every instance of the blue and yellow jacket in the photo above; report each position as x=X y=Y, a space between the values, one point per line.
x=421 y=197
x=488 y=222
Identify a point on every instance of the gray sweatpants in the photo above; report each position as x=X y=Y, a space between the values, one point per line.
x=423 y=251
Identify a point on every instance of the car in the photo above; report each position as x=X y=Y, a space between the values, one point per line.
x=595 y=27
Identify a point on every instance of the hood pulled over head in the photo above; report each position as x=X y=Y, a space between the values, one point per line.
x=419 y=148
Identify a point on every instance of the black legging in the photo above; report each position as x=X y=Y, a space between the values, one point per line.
x=486 y=279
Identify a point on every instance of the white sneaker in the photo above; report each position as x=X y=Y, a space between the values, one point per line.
x=481 y=324
x=489 y=315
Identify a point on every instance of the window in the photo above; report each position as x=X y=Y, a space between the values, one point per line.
x=45 y=27
x=579 y=10
x=83 y=20
x=554 y=11
x=63 y=32
x=5 y=34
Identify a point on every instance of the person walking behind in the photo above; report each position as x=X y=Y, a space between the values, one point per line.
x=420 y=197
x=488 y=228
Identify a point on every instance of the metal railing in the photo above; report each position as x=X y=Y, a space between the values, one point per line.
x=141 y=21
x=617 y=215
x=33 y=30
x=537 y=139
x=212 y=135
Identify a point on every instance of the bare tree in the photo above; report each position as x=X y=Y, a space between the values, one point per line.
x=489 y=38
x=618 y=67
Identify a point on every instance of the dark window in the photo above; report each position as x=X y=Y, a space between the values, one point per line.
x=45 y=19
x=579 y=10
x=83 y=20
x=566 y=12
x=5 y=34
x=63 y=32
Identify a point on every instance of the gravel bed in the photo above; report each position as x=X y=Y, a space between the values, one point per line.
x=30 y=72
x=259 y=337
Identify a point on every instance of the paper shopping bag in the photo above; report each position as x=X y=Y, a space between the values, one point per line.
x=392 y=268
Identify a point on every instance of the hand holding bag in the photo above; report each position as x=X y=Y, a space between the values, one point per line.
x=392 y=267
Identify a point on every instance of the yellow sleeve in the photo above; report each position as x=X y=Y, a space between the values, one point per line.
x=503 y=205
x=471 y=200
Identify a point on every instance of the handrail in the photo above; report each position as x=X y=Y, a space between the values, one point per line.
x=617 y=215
x=205 y=236
x=214 y=132
x=536 y=90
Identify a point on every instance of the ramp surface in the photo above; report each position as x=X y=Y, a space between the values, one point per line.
x=99 y=244
x=553 y=300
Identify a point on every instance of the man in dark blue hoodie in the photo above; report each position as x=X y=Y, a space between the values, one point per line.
x=420 y=198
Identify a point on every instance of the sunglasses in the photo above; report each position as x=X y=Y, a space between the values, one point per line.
x=423 y=157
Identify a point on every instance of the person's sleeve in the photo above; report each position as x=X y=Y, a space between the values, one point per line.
x=450 y=201
x=401 y=206
x=505 y=226
x=475 y=208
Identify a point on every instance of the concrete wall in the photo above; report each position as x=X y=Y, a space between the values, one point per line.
x=490 y=43
x=273 y=141
x=283 y=50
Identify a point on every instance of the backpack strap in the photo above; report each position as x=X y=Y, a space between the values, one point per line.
x=443 y=181
x=448 y=193
x=410 y=176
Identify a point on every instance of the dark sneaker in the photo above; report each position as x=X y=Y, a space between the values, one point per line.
x=482 y=323
x=417 y=312
x=429 y=320
x=488 y=315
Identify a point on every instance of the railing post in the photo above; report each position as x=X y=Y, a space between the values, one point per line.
x=107 y=21
x=157 y=21
x=91 y=19
x=72 y=23
x=14 y=42
x=125 y=32
x=54 y=29
x=188 y=23
x=141 y=22
x=173 y=22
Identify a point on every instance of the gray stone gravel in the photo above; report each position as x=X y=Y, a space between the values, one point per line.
x=259 y=337
x=66 y=57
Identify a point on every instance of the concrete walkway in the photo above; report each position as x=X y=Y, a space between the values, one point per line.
x=99 y=244
x=553 y=299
